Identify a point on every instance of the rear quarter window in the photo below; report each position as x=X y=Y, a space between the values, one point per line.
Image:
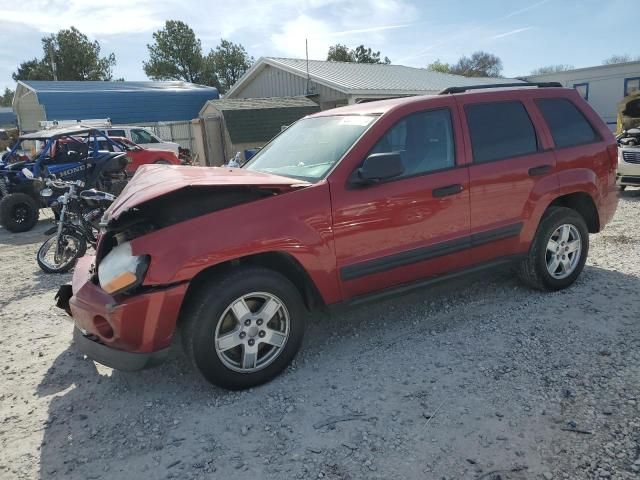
x=500 y=130
x=568 y=126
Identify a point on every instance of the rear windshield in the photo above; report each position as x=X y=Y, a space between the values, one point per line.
x=309 y=148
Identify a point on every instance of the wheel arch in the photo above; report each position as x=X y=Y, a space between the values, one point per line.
x=281 y=262
x=583 y=203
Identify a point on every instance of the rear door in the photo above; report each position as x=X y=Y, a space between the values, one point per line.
x=511 y=165
x=415 y=225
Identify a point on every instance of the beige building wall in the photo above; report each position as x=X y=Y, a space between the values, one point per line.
x=274 y=82
x=28 y=110
x=605 y=85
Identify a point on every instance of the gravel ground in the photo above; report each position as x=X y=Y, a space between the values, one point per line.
x=478 y=379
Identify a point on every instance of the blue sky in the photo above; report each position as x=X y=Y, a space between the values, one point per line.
x=524 y=34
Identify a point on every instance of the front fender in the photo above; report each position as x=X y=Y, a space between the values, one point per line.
x=297 y=223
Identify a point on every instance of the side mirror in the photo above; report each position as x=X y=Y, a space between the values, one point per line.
x=378 y=167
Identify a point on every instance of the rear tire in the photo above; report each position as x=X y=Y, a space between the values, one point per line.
x=551 y=263
x=18 y=212
x=162 y=162
x=242 y=328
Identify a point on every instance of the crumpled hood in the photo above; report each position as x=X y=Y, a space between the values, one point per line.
x=153 y=181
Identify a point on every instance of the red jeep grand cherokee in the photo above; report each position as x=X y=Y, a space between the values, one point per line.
x=366 y=199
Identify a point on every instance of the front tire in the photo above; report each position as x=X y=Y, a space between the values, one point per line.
x=73 y=247
x=18 y=212
x=244 y=327
x=558 y=251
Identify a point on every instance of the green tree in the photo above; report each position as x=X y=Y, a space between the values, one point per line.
x=67 y=55
x=366 y=55
x=341 y=53
x=176 y=54
x=439 y=66
x=480 y=64
x=551 y=69
x=33 y=70
x=228 y=62
x=6 y=98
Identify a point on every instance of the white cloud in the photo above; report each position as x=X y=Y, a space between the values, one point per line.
x=268 y=27
x=350 y=22
x=291 y=39
x=110 y=18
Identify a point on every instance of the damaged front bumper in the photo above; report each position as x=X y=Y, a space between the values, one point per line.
x=118 y=359
x=123 y=332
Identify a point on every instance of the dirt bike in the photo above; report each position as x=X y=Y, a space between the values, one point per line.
x=77 y=225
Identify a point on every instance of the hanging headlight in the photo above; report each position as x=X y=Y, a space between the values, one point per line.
x=120 y=270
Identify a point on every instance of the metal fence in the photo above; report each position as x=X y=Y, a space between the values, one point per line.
x=180 y=132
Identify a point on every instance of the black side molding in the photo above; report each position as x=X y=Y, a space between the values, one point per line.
x=494 y=235
x=369 y=267
x=410 y=287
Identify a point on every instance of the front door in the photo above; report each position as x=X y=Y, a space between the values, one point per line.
x=412 y=226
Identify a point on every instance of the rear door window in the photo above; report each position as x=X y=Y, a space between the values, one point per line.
x=568 y=125
x=500 y=130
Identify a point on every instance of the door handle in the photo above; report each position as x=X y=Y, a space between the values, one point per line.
x=540 y=170
x=448 y=190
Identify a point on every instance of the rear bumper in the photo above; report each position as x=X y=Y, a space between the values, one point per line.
x=124 y=332
x=118 y=359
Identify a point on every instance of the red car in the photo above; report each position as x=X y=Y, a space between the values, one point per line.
x=141 y=156
x=344 y=205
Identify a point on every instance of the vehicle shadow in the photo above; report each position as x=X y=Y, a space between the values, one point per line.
x=630 y=194
x=40 y=283
x=35 y=235
x=111 y=424
x=93 y=409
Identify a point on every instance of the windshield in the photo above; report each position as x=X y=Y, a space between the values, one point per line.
x=311 y=147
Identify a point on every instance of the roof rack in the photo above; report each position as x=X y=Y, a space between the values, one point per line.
x=498 y=85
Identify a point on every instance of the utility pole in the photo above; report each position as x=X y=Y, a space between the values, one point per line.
x=53 y=63
x=306 y=47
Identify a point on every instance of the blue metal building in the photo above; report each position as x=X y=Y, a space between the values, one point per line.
x=123 y=102
x=7 y=118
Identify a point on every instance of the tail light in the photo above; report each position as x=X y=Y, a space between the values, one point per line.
x=612 y=150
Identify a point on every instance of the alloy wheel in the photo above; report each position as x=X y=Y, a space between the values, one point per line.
x=251 y=332
x=564 y=249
